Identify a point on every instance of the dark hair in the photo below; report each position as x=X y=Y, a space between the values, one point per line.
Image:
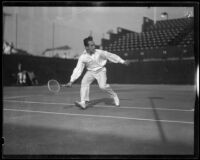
x=86 y=40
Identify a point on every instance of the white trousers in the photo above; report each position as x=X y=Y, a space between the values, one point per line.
x=21 y=77
x=101 y=78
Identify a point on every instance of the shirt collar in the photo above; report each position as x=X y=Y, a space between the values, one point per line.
x=85 y=52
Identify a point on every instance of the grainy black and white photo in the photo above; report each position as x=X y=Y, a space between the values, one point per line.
x=99 y=79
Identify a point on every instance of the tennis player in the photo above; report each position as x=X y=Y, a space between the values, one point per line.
x=94 y=60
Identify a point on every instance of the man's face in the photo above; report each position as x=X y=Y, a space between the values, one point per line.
x=91 y=47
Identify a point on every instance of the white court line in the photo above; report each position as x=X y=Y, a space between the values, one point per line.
x=98 y=116
x=23 y=96
x=13 y=97
x=103 y=106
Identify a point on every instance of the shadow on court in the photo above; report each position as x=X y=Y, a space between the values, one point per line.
x=156 y=115
x=103 y=101
x=106 y=101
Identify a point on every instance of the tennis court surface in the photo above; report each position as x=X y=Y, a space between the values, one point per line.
x=152 y=119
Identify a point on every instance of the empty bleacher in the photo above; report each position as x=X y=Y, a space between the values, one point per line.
x=187 y=40
x=167 y=38
x=171 y=23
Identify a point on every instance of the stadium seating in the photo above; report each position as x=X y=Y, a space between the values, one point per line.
x=166 y=36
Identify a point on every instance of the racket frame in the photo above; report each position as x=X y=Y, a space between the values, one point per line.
x=49 y=87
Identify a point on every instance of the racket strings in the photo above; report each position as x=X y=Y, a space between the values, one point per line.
x=54 y=86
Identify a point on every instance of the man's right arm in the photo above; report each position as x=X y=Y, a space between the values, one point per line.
x=77 y=71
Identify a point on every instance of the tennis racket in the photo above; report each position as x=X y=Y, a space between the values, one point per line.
x=54 y=86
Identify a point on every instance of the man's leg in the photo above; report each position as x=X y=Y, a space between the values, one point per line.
x=85 y=86
x=85 y=89
x=102 y=81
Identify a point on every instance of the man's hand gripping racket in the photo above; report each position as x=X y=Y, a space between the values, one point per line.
x=127 y=62
x=69 y=84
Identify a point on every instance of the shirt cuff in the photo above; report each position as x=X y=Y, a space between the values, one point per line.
x=71 y=80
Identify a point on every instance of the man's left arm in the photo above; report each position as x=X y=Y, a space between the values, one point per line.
x=115 y=58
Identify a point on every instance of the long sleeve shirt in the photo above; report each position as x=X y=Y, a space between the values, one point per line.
x=94 y=62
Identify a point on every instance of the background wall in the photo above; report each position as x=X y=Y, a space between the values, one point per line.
x=160 y=72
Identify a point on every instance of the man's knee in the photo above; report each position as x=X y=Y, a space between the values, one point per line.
x=84 y=84
x=104 y=87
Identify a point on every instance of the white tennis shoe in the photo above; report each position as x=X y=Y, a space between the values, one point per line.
x=116 y=101
x=82 y=105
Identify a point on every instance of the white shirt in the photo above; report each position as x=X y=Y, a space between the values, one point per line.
x=94 y=62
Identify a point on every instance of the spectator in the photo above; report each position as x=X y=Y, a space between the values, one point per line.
x=32 y=78
x=6 y=48
x=21 y=75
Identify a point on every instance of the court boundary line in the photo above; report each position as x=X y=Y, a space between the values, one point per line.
x=103 y=106
x=31 y=95
x=15 y=97
x=99 y=116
